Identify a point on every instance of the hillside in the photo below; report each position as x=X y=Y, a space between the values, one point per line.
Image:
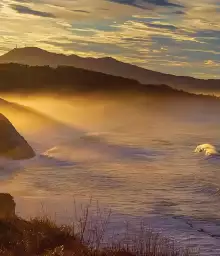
x=38 y=57
x=44 y=79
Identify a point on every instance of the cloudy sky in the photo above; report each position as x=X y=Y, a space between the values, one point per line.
x=181 y=37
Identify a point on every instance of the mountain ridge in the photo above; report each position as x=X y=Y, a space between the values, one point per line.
x=67 y=79
x=34 y=56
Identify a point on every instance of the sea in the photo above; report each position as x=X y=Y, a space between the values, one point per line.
x=132 y=157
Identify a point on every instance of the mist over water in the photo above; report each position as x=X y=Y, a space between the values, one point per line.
x=135 y=156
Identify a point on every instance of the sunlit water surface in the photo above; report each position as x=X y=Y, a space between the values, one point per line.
x=136 y=160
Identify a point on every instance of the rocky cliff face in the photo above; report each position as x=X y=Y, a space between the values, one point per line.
x=12 y=144
x=7 y=209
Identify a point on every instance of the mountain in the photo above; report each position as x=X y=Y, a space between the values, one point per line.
x=37 y=57
x=66 y=80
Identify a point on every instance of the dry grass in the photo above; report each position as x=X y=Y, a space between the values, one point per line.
x=43 y=237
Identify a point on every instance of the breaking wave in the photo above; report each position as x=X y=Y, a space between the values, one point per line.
x=208 y=149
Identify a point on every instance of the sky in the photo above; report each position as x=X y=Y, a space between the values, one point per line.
x=180 y=37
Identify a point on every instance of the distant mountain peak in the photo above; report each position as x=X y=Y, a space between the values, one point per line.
x=37 y=50
x=108 y=58
x=28 y=50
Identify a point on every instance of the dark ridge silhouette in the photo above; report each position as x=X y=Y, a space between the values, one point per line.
x=37 y=57
x=13 y=145
x=63 y=79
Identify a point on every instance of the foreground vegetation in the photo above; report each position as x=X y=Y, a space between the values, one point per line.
x=43 y=237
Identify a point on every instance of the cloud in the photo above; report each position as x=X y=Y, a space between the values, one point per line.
x=143 y=4
x=26 y=10
x=211 y=63
x=173 y=36
x=82 y=11
x=162 y=26
x=179 y=12
x=165 y=3
x=129 y=2
x=22 y=1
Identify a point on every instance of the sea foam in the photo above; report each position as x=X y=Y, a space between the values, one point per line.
x=208 y=149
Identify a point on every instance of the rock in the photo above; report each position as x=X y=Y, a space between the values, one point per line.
x=13 y=145
x=7 y=206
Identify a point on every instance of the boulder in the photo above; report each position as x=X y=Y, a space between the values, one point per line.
x=7 y=206
x=12 y=144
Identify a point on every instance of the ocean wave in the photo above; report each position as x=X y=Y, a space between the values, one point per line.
x=208 y=149
x=92 y=147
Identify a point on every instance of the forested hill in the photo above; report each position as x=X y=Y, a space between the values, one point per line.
x=63 y=79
